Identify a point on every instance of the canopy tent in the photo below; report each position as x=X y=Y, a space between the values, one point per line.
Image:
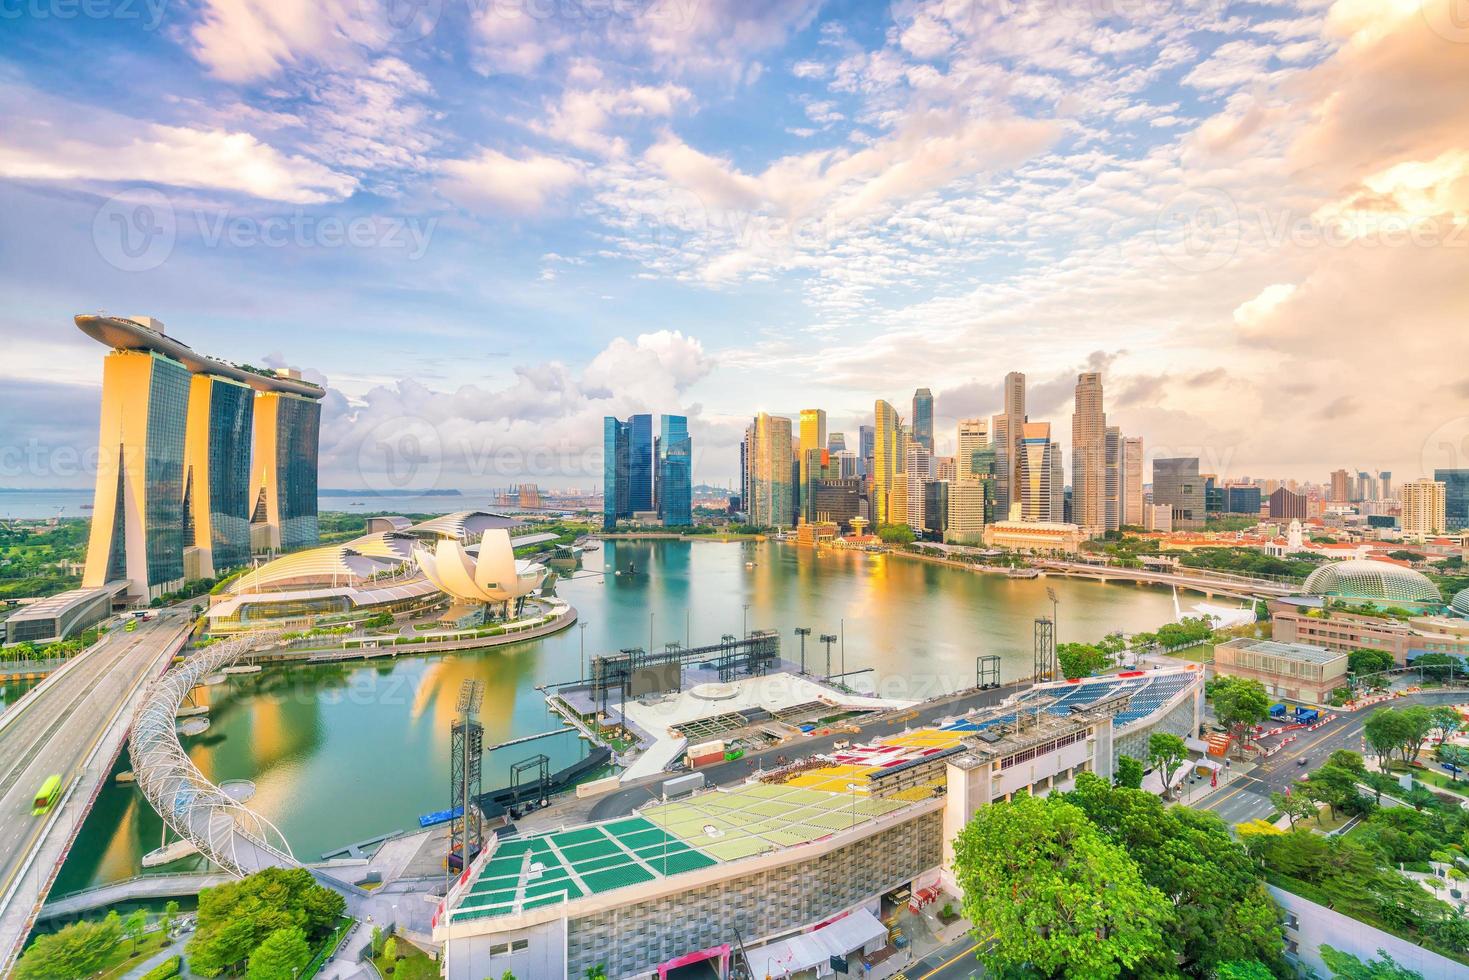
x=813 y=950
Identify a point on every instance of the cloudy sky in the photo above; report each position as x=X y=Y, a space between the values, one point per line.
x=488 y=223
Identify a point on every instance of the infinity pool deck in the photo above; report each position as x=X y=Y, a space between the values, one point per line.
x=663 y=840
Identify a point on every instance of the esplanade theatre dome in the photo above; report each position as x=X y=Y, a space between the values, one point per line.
x=1364 y=580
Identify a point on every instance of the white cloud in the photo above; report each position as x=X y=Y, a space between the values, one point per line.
x=1252 y=314
x=495 y=181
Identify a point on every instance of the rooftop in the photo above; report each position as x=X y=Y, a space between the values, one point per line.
x=1303 y=652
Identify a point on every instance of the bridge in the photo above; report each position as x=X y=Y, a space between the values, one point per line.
x=72 y=724
x=1241 y=587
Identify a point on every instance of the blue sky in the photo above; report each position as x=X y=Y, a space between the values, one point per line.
x=491 y=222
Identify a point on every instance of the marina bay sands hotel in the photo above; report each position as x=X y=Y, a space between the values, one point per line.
x=201 y=462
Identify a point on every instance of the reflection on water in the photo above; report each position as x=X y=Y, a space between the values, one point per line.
x=342 y=753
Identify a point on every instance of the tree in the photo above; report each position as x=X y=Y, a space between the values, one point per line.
x=1444 y=721
x=895 y=534
x=1348 y=967
x=1293 y=805
x=1439 y=666
x=1387 y=731
x=1369 y=661
x=390 y=952
x=170 y=916
x=1456 y=756
x=1166 y=752
x=1129 y=772
x=1081 y=660
x=236 y=917
x=134 y=926
x=1243 y=970
x=1418 y=719
x=377 y=940
x=598 y=972
x=77 y=950
x=1240 y=704
x=282 y=955
x=1055 y=894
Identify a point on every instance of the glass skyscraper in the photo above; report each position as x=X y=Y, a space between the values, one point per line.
x=675 y=489
x=923 y=419
x=615 y=458
x=1456 y=496
x=640 y=463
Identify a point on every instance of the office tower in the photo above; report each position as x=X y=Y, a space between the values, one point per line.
x=1424 y=508
x=640 y=463
x=837 y=442
x=616 y=482
x=1456 y=496
x=675 y=489
x=769 y=465
x=944 y=468
x=1089 y=455
x=1213 y=494
x=820 y=464
x=813 y=437
x=286 y=433
x=745 y=470
x=1366 y=486
x=798 y=492
x=886 y=459
x=1006 y=435
x=1115 y=489
x=1341 y=491
x=1038 y=462
x=974 y=434
x=968 y=502
x=849 y=465
x=1132 y=481
x=923 y=418
x=1177 y=483
x=174 y=472
x=866 y=435
x=1385 y=484
x=838 y=500
x=216 y=510
x=1242 y=498
x=936 y=509
x=1060 y=493
x=897 y=500
x=918 y=465
x=984 y=474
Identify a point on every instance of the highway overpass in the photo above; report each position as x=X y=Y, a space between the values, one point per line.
x=73 y=724
x=1196 y=580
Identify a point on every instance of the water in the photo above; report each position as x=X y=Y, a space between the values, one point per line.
x=343 y=753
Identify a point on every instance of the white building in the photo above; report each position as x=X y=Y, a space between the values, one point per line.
x=1424 y=503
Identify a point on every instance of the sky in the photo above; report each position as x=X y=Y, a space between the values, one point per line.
x=486 y=224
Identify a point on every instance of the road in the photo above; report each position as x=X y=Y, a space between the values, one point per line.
x=626 y=800
x=54 y=731
x=1248 y=797
x=956 y=961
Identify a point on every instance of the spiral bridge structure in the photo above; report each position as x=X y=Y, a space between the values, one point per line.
x=225 y=831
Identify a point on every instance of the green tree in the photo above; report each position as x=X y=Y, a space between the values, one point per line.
x=1081 y=660
x=282 y=955
x=77 y=950
x=1387 y=731
x=1348 y=967
x=1293 y=805
x=1243 y=970
x=1369 y=661
x=1166 y=752
x=236 y=917
x=390 y=952
x=170 y=916
x=134 y=926
x=1055 y=894
x=598 y=972
x=1240 y=704
x=1129 y=772
x=1456 y=756
x=1444 y=721
x=895 y=534
x=1439 y=666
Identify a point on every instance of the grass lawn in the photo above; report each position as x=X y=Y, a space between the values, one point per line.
x=1327 y=824
x=413 y=964
x=1436 y=777
x=1199 y=653
x=123 y=959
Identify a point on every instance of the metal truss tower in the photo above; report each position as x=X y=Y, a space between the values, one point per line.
x=466 y=745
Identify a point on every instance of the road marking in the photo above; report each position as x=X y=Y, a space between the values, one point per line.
x=950 y=962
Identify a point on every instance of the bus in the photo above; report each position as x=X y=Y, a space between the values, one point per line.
x=46 y=796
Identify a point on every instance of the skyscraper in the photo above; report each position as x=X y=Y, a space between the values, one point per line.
x=1341 y=491
x=1089 y=455
x=866 y=435
x=813 y=437
x=837 y=442
x=923 y=418
x=974 y=435
x=887 y=459
x=1132 y=481
x=918 y=465
x=616 y=482
x=1287 y=505
x=216 y=509
x=174 y=472
x=1456 y=496
x=1178 y=484
x=675 y=490
x=1006 y=434
x=769 y=466
x=1385 y=479
x=1038 y=463
x=1115 y=491
x=1424 y=506
x=640 y=463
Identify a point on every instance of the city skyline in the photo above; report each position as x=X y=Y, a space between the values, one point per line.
x=559 y=225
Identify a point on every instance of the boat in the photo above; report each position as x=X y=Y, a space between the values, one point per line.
x=1023 y=573
x=169 y=853
x=591 y=546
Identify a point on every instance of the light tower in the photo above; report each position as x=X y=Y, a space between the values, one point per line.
x=466 y=744
x=803 y=632
x=828 y=639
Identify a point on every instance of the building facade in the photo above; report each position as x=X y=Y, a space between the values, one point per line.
x=1132 y=481
x=1089 y=455
x=923 y=419
x=1297 y=671
x=812 y=438
x=1006 y=435
x=674 y=485
x=1425 y=506
x=1116 y=483
x=1243 y=499
x=974 y=435
x=770 y=467
x=286 y=432
x=217 y=447
x=1286 y=505
x=887 y=459
x=1038 y=462
x=1178 y=484
x=1456 y=496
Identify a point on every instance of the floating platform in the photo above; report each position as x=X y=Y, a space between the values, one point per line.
x=193 y=726
x=210 y=680
x=243 y=669
x=239 y=790
x=126 y=776
x=193 y=711
x=169 y=853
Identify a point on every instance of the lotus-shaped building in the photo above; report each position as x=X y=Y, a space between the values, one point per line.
x=487 y=573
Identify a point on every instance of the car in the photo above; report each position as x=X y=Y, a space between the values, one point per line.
x=1303 y=761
